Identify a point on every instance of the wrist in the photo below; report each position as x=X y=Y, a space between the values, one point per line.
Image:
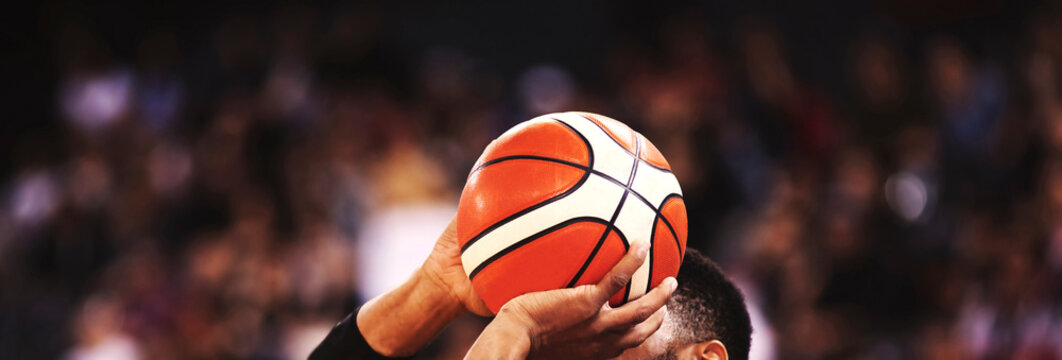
x=517 y=324
x=504 y=338
x=437 y=289
x=402 y=321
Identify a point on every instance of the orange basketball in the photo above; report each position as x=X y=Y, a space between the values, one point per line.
x=557 y=200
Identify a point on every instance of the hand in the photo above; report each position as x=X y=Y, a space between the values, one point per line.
x=443 y=267
x=578 y=322
x=403 y=320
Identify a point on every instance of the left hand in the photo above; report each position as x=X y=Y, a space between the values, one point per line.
x=443 y=268
x=402 y=321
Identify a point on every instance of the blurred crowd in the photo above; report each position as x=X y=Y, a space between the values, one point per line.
x=235 y=194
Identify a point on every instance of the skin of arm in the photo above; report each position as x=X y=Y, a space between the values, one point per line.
x=402 y=321
x=503 y=339
x=565 y=323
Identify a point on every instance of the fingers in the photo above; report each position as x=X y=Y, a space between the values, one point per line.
x=639 y=310
x=620 y=274
x=637 y=334
x=552 y=310
x=451 y=229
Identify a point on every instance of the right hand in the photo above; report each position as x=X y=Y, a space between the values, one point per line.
x=578 y=323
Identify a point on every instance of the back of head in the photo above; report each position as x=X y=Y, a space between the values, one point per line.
x=707 y=306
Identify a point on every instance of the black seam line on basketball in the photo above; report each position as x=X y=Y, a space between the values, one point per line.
x=586 y=142
x=659 y=215
x=623 y=239
x=656 y=167
x=636 y=194
x=569 y=191
x=634 y=167
x=530 y=157
x=607 y=177
x=670 y=228
x=649 y=281
x=612 y=222
x=526 y=210
x=630 y=181
x=580 y=166
x=621 y=184
x=589 y=149
x=571 y=164
x=601 y=241
x=621 y=145
x=531 y=238
x=607 y=133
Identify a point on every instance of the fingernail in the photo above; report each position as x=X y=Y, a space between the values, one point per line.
x=672 y=284
x=641 y=248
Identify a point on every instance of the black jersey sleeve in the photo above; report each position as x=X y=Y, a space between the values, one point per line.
x=345 y=341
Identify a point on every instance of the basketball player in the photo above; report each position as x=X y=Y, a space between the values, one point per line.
x=704 y=318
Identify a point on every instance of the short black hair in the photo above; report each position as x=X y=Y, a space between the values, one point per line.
x=707 y=306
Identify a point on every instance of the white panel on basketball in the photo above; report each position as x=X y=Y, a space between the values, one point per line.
x=609 y=157
x=635 y=220
x=586 y=200
x=655 y=184
x=597 y=197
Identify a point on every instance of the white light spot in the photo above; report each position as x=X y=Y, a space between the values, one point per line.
x=907 y=195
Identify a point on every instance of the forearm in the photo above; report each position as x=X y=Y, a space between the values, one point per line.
x=402 y=321
x=502 y=339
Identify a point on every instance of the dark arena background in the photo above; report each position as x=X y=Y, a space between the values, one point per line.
x=883 y=179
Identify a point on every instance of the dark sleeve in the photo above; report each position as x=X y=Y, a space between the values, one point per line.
x=346 y=342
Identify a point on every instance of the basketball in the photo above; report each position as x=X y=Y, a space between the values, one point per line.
x=557 y=200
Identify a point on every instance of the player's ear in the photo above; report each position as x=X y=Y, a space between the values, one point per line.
x=711 y=350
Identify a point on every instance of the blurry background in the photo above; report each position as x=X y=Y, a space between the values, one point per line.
x=883 y=179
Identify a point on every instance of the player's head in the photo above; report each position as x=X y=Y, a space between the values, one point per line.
x=706 y=317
